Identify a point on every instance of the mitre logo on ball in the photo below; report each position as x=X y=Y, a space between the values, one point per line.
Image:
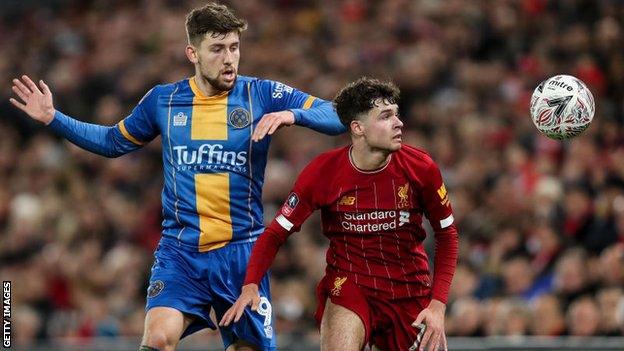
x=562 y=107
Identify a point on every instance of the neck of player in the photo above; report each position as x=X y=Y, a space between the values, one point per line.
x=206 y=88
x=368 y=158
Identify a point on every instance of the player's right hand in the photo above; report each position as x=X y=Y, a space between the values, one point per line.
x=433 y=318
x=249 y=297
x=37 y=103
x=271 y=122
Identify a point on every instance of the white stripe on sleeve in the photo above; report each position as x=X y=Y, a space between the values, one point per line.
x=285 y=223
x=446 y=221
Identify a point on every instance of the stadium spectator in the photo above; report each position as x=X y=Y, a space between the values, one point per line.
x=583 y=317
x=547 y=316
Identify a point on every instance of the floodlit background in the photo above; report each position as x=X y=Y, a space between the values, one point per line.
x=541 y=222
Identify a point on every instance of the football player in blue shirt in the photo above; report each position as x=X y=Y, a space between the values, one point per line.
x=213 y=127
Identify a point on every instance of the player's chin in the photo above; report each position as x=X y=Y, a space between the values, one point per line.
x=395 y=145
x=226 y=85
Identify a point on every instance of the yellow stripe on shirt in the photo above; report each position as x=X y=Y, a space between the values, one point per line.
x=124 y=132
x=212 y=190
x=209 y=118
x=213 y=207
x=308 y=103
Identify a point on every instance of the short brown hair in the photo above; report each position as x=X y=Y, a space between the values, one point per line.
x=359 y=97
x=215 y=18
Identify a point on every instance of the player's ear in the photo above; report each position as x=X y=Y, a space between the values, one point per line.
x=191 y=54
x=357 y=127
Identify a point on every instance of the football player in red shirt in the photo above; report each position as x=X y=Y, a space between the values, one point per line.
x=373 y=195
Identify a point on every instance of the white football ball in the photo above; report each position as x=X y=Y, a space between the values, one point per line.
x=562 y=107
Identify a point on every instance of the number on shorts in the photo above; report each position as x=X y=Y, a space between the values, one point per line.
x=265 y=310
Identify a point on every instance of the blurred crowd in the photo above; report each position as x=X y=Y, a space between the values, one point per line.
x=541 y=221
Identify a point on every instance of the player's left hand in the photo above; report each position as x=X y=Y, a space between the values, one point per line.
x=433 y=318
x=272 y=122
x=249 y=297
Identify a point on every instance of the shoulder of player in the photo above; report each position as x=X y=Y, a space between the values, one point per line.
x=253 y=81
x=151 y=96
x=257 y=85
x=264 y=83
x=414 y=154
x=329 y=159
x=164 y=89
x=332 y=155
x=414 y=159
x=246 y=79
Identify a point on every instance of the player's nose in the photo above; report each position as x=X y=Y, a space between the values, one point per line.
x=229 y=58
x=398 y=122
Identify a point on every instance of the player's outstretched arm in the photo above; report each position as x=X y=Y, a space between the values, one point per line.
x=287 y=106
x=321 y=118
x=249 y=297
x=35 y=100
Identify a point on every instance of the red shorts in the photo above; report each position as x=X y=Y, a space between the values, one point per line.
x=387 y=323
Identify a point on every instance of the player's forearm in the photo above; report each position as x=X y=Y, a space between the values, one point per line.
x=263 y=254
x=321 y=118
x=446 y=251
x=98 y=139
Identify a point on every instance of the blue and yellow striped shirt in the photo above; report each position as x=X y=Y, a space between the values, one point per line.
x=213 y=172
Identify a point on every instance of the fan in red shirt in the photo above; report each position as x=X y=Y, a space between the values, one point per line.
x=372 y=195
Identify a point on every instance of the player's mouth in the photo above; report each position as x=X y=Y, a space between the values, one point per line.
x=398 y=138
x=229 y=74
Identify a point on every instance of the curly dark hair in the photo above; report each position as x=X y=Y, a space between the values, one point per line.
x=358 y=97
x=215 y=18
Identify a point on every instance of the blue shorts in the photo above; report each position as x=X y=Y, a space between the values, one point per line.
x=196 y=282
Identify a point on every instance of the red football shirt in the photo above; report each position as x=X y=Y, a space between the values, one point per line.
x=373 y=220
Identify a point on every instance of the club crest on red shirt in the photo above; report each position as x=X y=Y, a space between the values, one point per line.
x=402 y=192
